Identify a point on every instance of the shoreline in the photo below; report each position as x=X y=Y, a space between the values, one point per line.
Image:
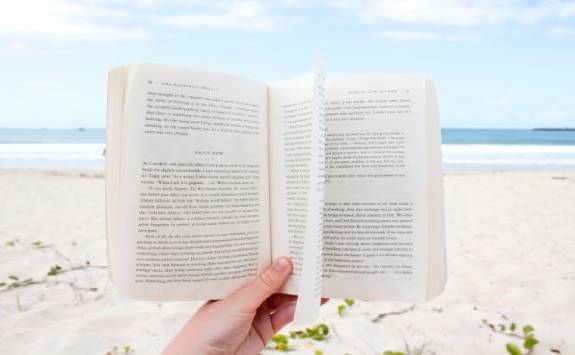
x=101 y=172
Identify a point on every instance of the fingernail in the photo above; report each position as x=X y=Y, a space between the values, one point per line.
x=281 y=264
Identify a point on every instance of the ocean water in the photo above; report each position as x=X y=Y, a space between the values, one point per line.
x=463 y=149
x=47 y=148
x=508 y=149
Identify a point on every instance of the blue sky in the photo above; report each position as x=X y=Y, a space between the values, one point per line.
x=503 y=64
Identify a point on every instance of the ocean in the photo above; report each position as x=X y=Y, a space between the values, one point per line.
x=463 y=149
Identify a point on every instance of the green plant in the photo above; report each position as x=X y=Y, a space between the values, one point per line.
x=16 y=282
x=127 y=349
x=512 y=349
x=319 y=332
x=281 y=342
x=527 y=335
x=529 y=341
x=55 y=270
x=347 y=303
x=11 y=243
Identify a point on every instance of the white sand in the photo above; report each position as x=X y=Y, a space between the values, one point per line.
x=511 y=253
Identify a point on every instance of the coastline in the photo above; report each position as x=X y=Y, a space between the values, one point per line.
x=511 y=258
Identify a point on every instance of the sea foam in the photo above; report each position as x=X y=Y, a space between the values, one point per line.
x=455 y=156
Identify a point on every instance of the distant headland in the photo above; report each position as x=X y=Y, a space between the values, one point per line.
x=554 y=129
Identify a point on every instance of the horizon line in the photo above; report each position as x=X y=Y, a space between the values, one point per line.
x=452 y=127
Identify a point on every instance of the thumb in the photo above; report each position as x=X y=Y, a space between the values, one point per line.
x=252 y=295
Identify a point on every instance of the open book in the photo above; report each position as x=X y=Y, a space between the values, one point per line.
x=209 y=177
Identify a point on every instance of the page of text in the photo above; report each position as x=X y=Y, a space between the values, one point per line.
x=375 y=194
x=297 y=157
x=195 y=184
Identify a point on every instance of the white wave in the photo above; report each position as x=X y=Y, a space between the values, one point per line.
x=455 y=156
x=52 y=151
x=507 y=149
x=509 y=156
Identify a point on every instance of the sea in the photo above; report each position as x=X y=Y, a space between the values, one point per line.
x=462 y=149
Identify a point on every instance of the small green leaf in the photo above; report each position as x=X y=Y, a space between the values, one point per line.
x=341 y=309
x=512 y=349
x=528 y=329
x=311 y=331
x=318 y=337
x=297 y=334
x=513 y=326
x=13 y=277
x=54 y=270
x=11 y=243
x=318 y=352
x=279 y=339
x=282 y=347
x=393 y=353
x=350 y=301
x=37 y=243
x=128 y=349
x=530 y=342
x=323 y=329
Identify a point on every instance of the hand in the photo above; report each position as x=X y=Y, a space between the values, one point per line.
x=242 y=323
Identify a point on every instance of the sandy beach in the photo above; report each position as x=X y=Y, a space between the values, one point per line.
x=511 y=258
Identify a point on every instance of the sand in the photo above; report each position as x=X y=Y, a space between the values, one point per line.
x=511 y=255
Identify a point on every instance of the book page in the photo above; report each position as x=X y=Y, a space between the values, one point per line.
x=437 y=260
x=376 y=192
x=193 y=181
x=296 y=183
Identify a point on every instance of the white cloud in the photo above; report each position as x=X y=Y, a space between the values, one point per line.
x=39 y=85
x=117 y=20
x=19 y=46
x=462 y=12
x=248 y=15
x=427 y=36
x=562 y=31
x=64 y=19
x=114 y=20
x=559 y=113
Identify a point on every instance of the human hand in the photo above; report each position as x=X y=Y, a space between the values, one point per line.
x=244 y=322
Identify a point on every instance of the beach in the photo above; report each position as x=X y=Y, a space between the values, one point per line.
x=510 y=253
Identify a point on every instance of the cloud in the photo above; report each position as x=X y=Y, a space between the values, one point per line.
x=427 y=36
x=124 y=20
x=64 y=19
x=118 y=20
x=40 y=85
x=559 y=113
x=500 y=102
x=19 y=46
x=248 y=15
x=462 y=12
x=562 y=31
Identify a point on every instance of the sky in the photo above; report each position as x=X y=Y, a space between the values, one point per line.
x=496 y=64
